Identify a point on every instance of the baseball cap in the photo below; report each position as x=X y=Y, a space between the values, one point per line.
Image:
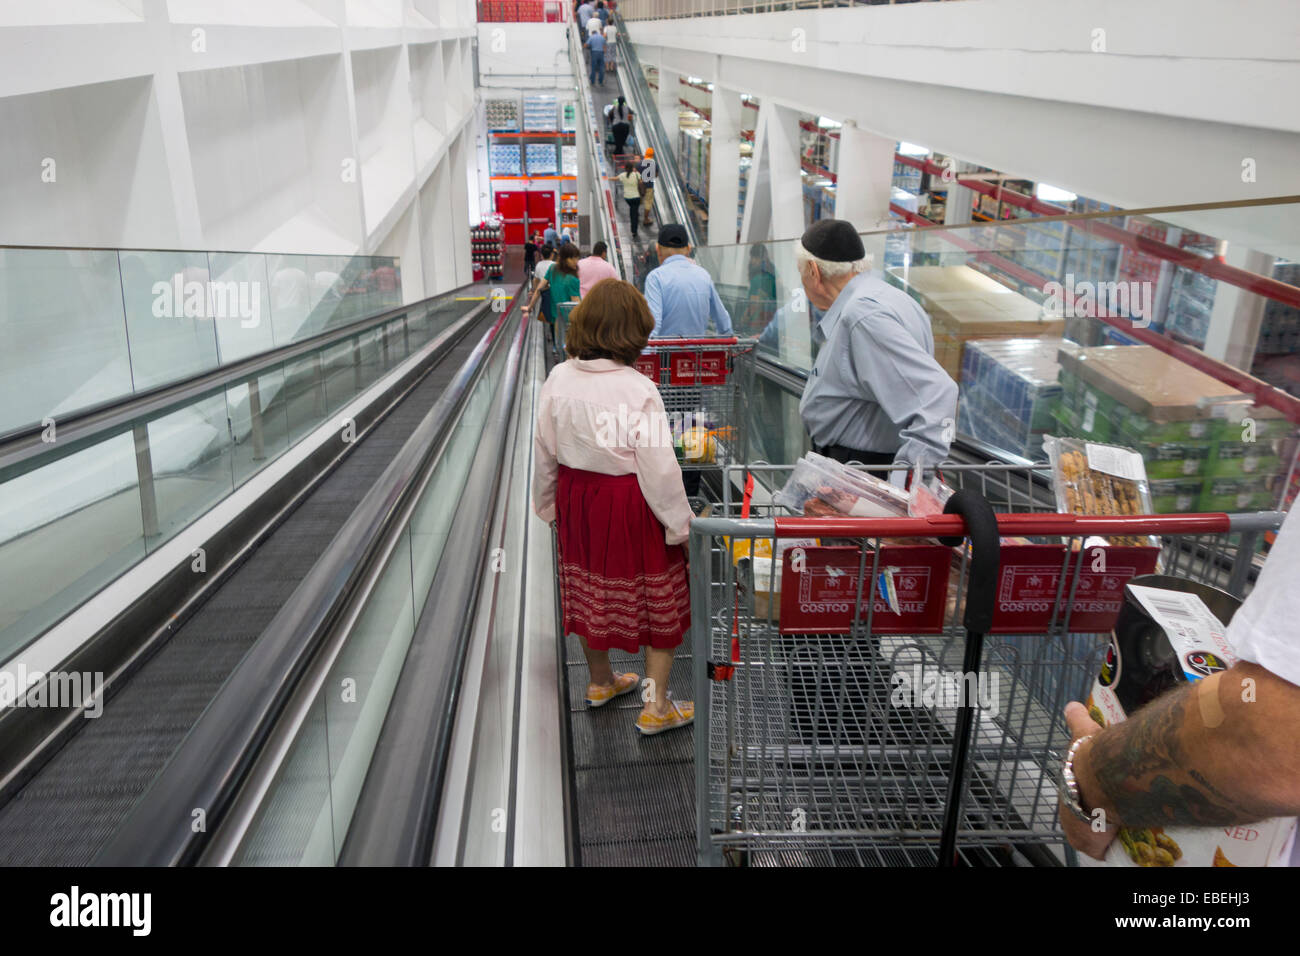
x=673 y=236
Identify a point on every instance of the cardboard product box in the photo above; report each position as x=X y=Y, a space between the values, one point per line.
x=1088 y=423
x=1233 y=459
x=1257 y=422
x=1171 y=632
x=1237 y=494
x=1170 y=459
x=1008 y=389
x=1176 y=495
x=964 y=304
x=1153 y=384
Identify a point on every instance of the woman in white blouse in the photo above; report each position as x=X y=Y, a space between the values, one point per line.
x=606 y=473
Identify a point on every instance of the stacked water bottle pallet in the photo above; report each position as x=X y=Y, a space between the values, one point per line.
x=503 y=159
x=541 y=112
x=542 y=159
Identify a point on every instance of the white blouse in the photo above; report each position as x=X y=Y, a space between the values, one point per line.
x=600 y=415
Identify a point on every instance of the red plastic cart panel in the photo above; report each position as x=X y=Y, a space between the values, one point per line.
x=1029 y=578
x=697 y=368
x=819 y=599
x=648 y=365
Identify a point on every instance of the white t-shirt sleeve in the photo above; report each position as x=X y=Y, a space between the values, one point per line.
x=1263 y=630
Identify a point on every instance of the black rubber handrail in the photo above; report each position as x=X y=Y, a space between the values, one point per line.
x=638 y=90
x=216 y=756
x=91 y=425
x=396 y=815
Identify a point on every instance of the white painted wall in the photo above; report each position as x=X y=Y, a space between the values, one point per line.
x=1136 y=104
x=295 y=126
x=523 y=54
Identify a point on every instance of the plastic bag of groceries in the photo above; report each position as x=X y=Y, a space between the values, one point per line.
x=926 y=498
x=821 y=487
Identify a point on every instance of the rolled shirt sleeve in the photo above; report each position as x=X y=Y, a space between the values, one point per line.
x=659 y=475
x=721 y=318
x=910 y=387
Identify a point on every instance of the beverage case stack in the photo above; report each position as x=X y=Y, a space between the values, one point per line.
x=1009 y=389
x=965 y=304
x=1206 y=448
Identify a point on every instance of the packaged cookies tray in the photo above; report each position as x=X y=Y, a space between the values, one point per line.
x=1091 y=478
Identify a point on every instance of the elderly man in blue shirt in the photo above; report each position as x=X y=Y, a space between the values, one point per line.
x=681 y=294
x=875 y=393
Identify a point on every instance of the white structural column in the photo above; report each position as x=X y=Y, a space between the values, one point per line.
x=176 y=149
x=756 y=225
x=581 y=140
x=784 y=171
x=724 y=166
x=1237 y=314
x=457 y=157
x=864 y=177
x=666 y=101
x=960 y=201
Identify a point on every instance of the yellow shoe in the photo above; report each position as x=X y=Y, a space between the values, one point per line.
x=680 y=714
x=598 y=696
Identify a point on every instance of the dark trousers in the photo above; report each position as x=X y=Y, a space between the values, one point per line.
x=632 y=206
x=597 y=67
x=842 y=453
x=621 y=133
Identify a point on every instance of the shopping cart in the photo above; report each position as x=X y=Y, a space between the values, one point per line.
x=835 y=721
x=705 y=385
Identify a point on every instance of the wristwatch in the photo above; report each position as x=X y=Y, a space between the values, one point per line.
x=1069 y=787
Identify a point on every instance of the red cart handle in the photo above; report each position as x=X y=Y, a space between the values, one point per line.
x=1009 y=525
x=675 y=343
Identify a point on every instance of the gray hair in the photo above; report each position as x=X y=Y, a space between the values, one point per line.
x=829 y=270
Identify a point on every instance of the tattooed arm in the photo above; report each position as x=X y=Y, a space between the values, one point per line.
x=1219 y=752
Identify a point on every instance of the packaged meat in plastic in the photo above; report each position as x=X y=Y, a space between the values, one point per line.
x=822 y=486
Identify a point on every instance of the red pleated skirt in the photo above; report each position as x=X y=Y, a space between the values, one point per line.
x=621 y=586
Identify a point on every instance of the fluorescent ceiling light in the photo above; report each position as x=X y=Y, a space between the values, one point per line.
x=1053 y=194
x=825 y=123
x=911 y=149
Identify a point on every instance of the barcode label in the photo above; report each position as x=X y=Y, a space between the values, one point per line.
x=1190 y=626
x=1169 y=609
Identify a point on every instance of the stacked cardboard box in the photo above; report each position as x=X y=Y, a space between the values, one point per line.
x=1205 y=447
x=965 y=304
x=1008 y=390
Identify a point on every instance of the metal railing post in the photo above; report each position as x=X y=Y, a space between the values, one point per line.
x=255 y=420
x=144 y=478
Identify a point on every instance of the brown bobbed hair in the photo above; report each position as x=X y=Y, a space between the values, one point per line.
x=612 y=321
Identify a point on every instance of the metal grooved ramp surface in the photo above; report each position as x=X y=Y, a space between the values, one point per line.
x=70 y=808
x=646 y=235
x=635 y=795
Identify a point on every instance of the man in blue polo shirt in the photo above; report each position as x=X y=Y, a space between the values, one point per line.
x=680 y=293
x=596 y=43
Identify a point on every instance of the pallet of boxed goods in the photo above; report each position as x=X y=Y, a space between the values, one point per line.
x=1202 y=441
x=964 y=304
x=1008 y=390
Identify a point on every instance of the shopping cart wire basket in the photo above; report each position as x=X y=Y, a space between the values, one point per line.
x=872 y=709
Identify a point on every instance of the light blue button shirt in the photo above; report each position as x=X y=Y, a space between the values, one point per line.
x=876 y=385
x=683 y=301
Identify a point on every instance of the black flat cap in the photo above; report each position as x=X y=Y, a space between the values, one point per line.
x=834 y=240
x=673 y=236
